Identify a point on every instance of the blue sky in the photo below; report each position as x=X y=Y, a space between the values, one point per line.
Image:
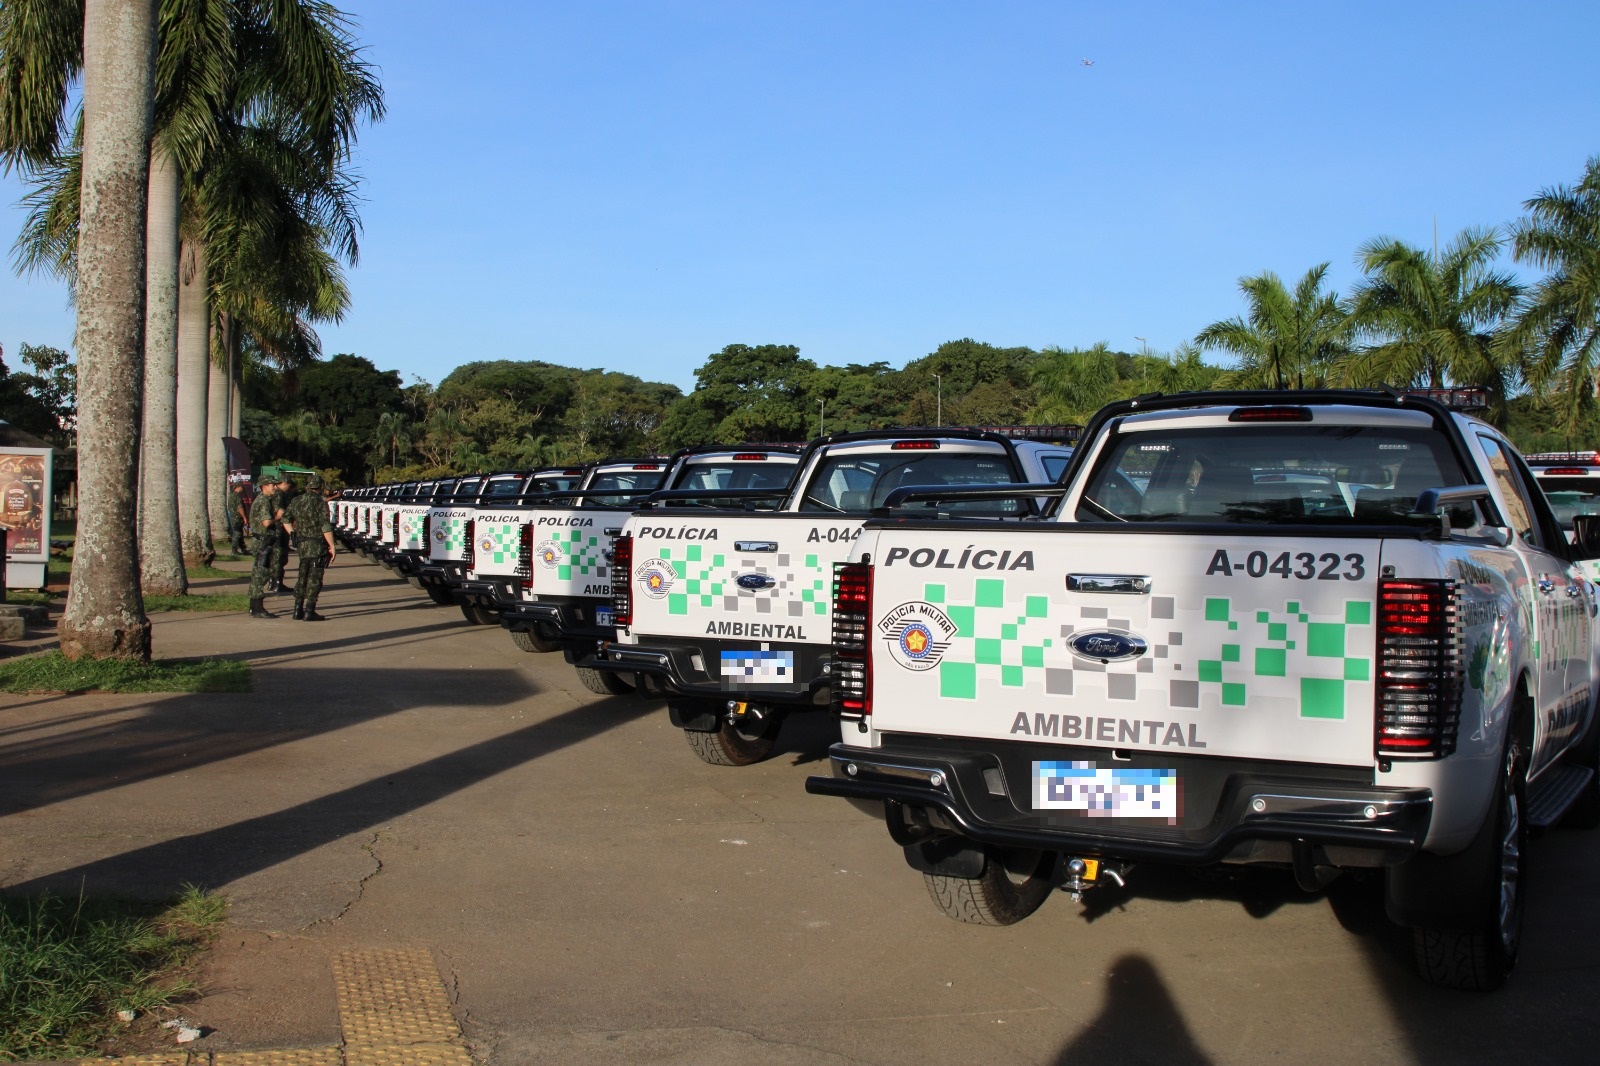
x=634 y=185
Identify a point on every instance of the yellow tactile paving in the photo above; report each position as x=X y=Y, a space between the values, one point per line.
x=312 y=1056
x=394 y=1010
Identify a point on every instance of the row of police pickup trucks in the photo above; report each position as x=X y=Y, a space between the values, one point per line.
x=1327 y=631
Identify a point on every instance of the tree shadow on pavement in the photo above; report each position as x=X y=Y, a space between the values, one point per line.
x=217 y=857
x=1139 y=1022
x=56 y=759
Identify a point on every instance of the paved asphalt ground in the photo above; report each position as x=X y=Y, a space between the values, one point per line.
x=593 y=893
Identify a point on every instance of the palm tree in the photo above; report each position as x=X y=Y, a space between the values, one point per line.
x=1074 y=384
x=105 y=612
x=1183 y=371
x=1558 y=332
x=1435 y=318
x=1290 y=339
x=393 y=433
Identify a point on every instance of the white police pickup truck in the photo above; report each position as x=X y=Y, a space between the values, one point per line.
x=1571 y=482
x=563 y=598
x=729 y=610
x=1321 y=630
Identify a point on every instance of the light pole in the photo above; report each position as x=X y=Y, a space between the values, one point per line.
x=822 y=413
x=1146 y=344
x=938 y=418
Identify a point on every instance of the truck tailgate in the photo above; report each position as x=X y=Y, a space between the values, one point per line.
x=1254 y=647
x=785 y=561
x=572 y=551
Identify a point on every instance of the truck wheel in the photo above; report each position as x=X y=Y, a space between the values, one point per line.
x=604 y=682
x=1014 y=883
x=533 y=640
x=1481 y=958
x=438 y=594
x=733 y=745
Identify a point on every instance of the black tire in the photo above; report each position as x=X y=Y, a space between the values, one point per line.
x=603 y=682
x=1481 y=956
x=532 y=640
x=439 y=594
x=734 y=745
x=1014 y=884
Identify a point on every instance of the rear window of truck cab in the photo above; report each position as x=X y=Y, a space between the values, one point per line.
x=854 y=481
x=1294 y=473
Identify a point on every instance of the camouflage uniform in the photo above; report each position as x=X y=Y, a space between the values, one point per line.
x=280 y=549
x=308 y=514
x=264 y=527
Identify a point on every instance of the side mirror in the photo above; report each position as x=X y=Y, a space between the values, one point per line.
x=1586 y=539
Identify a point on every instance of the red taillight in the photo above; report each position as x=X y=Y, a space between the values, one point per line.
x=525 y=557
x=468 y=533
x=427 y=534
x=852 y=632
x=1270 y=414
x=622 y=581
x=1419 y=669
x=749 y=457
x=914 y=446
x=647 y=466
x=1565 y=471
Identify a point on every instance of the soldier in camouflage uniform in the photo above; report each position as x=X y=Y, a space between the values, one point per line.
x=307 y=520
x=264 y=524
x=280 y=551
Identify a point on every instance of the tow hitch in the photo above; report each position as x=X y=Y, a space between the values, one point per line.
x=742 y=713
x=1084 y=874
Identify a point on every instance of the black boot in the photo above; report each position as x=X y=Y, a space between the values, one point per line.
x=259 y=611
x=311 y=614
x=299 y=609
x=284 y=589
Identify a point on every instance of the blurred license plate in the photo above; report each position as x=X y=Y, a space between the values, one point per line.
x=757 y=666
x=1107 y=791
x=602 y=616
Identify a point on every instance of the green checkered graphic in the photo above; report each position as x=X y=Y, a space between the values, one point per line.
x=411 y=530
x=505 y=543
x=1013 y=642
x=1285 y=641
x=454 y=540
x=713 y=580
x=582 y=554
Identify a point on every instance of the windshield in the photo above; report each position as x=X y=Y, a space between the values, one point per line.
x=1571 y=496
x=854 y=482
x=633 y=483
x=705 y=477
x=1352 y=475
x=504 y=486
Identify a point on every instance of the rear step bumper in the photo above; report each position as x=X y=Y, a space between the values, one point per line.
x=684 y=669
x=1392 y=822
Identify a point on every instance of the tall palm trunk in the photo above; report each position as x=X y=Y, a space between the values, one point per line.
x=105 y=612
x=160 y=553
x=217 y=396
x=194 y=382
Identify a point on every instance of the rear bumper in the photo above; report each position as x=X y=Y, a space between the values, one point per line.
x=1248 y=807
x=442 y=573
x=574 y=620
x=485 y=592
x=694 y=669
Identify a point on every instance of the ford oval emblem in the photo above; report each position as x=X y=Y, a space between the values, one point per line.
x=755 y=582
x=1107 y=645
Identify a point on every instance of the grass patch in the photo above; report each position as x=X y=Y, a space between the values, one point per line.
x=199 y=601
x=54 y=672
x=29 y=598
x=200 y=572
x=70 y=965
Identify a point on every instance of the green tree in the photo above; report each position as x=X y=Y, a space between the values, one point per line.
x=1434 y=320
x=744 y=393
x=966 y=382
x=1286 y=339
x=1558 y=331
